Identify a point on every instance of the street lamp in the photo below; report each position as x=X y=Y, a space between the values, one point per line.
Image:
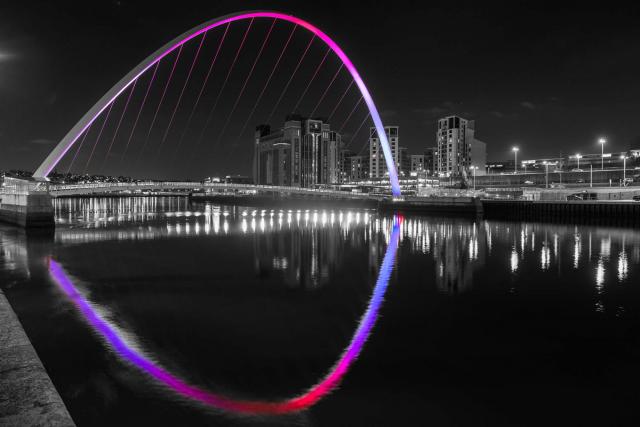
x=624 y=168
x=578 y=157
x=602 y=141
x=515 y=153
x=473 y=168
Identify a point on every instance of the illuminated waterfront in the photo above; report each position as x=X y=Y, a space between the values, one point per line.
x=482 y=320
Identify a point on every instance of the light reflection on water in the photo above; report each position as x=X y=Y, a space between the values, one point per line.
x=469 y=265
x=458 y=247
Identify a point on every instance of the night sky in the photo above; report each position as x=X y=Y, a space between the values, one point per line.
x=548 y=78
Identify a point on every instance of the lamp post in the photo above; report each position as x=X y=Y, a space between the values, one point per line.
x=624 y=169
x=602 y=141
x=515 y=153
x=578 y=157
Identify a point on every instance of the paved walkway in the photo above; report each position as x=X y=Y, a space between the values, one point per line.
x=27 y=395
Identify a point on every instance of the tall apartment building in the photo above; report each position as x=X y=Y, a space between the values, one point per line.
x=457 y=149
x=377 y=162
x=303 y=153
x=431 y=160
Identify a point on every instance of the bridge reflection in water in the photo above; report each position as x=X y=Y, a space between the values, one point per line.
x=305 y=250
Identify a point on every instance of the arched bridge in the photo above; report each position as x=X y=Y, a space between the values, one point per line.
x=107 y=101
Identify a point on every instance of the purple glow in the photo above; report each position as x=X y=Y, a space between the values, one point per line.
x=295 y=404
x=53 y=159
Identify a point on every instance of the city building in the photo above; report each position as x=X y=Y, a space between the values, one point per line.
x=457 y=149
x=404 y=167
x=356 y=168
x=417 y=164
x=431 y=160
x=377 y=162
x=303 y=153
x=344 y=164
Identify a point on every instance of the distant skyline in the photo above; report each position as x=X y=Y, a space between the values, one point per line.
x=549 y=80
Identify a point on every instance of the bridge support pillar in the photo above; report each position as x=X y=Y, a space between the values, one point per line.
x=26 y=203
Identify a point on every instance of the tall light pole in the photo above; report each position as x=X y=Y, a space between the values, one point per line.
x=624 y=169
x=578 y=157
x=602 y=141
x=515 y=153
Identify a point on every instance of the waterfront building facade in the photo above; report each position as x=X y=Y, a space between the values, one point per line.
x=303 y=153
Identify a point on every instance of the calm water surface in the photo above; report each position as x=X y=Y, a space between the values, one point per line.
x=481 y=322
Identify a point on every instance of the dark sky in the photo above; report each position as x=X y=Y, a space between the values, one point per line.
x=550 y=78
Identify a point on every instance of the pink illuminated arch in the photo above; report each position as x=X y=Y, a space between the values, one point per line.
x=70 y=138
x=300 y=402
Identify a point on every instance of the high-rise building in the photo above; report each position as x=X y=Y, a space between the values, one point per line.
x=377 y=161
x=457 y=149
x=431 y=160
x=344 y=164
x=356 y=168
x=417 y=164
x=303 y=153
x=272 y=157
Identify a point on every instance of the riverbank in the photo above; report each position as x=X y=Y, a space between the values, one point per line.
x=27 y=395
x=596 y=212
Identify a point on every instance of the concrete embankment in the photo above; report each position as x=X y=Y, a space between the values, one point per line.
x=27 y=395
x=428 y=205
x=467 y=206
x=623 y=213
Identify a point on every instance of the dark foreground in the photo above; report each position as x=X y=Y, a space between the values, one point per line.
x=482 y=322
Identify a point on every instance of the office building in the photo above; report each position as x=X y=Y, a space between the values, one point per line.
x=457 y=148
x=303 y=153
x=377 y=162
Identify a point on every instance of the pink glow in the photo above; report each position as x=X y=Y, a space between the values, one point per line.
x=48 y=166
x=252 y=407
x=204 y=85
x=184 y=86
x=224 y=84
x=264 y=88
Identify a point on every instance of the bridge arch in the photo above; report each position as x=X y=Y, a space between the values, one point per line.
x=73 y=135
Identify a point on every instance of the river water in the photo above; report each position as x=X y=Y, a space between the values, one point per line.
x=155 y=311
